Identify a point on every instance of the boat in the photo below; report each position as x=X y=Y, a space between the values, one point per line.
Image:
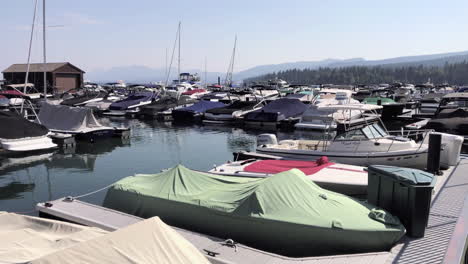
x=327 y=120
x=85 y=98
x=283 y=109
x=195 y=111
x=452 y=121
x=78 y=121
x=44 y=241
x=195 y=93
x=286 y=213
x=103 y=105
x=390 y=108
x=165 y=105
x=430 y=103
x=364 y=145
x=342 y=178
x=132 y=104
x=232 y=112
x=18 y=135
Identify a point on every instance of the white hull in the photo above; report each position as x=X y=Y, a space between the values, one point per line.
x=27 y=144
x=312 y=126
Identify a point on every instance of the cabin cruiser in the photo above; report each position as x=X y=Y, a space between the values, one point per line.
x=78 y=121
x=265 y=91
x=280 y=110
x=337 y=177
x=315 y=119
x=364 y=145
x=132 y=104
x=232 y=112
x=17 y=134
x=177 y=89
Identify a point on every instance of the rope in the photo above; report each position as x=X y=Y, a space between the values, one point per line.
x=93 y=192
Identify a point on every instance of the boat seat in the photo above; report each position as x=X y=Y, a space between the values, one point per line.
x=310 y=144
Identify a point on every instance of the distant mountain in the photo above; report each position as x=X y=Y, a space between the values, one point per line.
x=146 y=74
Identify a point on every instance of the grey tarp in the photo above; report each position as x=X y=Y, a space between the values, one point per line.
x=65 y=118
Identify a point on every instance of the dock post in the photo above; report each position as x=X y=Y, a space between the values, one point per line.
x=433 y=155
x=379 y=102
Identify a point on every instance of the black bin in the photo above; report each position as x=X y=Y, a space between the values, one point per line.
x=404 y=192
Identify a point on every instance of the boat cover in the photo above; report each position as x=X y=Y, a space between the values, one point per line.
x=66 y=118
x=450 y=120
x=167 y=103
x=14 y=126
x=200 y=107
x=277 y=166
x=26 y=238
x=236 y=106
x=286 y=213
x=83 y=98
x=277 y=110
x=133 y=99
x=149 y=241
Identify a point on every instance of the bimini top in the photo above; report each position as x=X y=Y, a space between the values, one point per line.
x=67 y=119
x=361 y=107
x=14 y=126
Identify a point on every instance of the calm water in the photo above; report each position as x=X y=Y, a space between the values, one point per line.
x=152 y=147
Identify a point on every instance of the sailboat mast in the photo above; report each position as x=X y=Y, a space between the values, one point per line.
x=44 y=45
x=206 y=80
x=179 y=53
x=228 y=80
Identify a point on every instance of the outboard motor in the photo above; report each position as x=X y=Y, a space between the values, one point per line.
x=264 y=139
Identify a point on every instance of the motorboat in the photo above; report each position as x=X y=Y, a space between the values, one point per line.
x=390 y=108
x=42 y=241
x=85 y=98
x=17 y=134
x=265 y=91
x=283 y=109
x=195 y=93
x=223 y=97
x=364 y=145
x=453 y=121
x=232 y=112
x=103 y=105
x=337 y=177
x=25 y=90
x=195 y=111
x=78 y=121
x=303 y=97
x=132 y=104
x=165 y=105
x=307 y=220
x=430 y=103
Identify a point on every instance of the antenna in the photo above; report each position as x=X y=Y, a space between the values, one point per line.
x=179 y=52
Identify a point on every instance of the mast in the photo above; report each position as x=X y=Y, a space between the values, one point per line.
x=44 y=45
x=165 y=65
x=179 y=53
x=228 y=80
x=206 y=80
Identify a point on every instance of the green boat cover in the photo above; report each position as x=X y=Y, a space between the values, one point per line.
x=286 y=213
x=373 y=100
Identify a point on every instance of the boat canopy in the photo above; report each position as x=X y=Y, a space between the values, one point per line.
x=283 y=107
x=66 y=118
x=148 y=241
x=14 y=126
x=361 y=107
x=306 y=218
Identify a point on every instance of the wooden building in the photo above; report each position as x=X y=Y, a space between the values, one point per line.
x=61 y=76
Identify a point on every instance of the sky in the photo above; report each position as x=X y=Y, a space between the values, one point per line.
x=100 y=34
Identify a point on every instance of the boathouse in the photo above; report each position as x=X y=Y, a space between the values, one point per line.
x=61 y=76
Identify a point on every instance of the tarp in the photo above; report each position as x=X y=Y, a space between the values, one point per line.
x=149 y=241
x=277 y=110
x=166 y=103
x=286 y=213
x=450 y=121
x=236 y=106
x=26 y=238
x=200 y=107
x=131 y=100
x=277 y=166
x=66 y=118
x=14 y=126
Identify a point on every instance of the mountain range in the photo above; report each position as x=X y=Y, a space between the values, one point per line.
x=138 y=73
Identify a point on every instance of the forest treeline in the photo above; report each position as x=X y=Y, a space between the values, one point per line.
x=456 y=74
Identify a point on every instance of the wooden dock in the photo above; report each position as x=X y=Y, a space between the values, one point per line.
x=444 y=242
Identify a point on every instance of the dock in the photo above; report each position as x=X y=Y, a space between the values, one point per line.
x=445 y=240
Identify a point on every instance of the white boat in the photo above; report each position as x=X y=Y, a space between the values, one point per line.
x=337 y=177
x=20 y=135
x=364 y=145
x=327 y=120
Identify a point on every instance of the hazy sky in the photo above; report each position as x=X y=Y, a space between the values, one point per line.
x=99 y=34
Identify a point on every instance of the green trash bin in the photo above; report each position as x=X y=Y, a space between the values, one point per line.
x=404 y=192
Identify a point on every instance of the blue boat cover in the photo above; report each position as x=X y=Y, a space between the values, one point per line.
x=277 y=110
x=201 y=107
x=133 y=99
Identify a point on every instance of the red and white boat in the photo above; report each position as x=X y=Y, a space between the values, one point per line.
x=337 y=177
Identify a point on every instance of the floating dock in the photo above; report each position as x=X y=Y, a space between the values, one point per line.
x=445 y=238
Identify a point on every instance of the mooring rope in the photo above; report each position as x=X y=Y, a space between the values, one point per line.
x=93 y=192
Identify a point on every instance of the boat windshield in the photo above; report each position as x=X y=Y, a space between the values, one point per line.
x=374 y=131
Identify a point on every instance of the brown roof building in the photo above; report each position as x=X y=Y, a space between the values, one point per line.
x=61 y=76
